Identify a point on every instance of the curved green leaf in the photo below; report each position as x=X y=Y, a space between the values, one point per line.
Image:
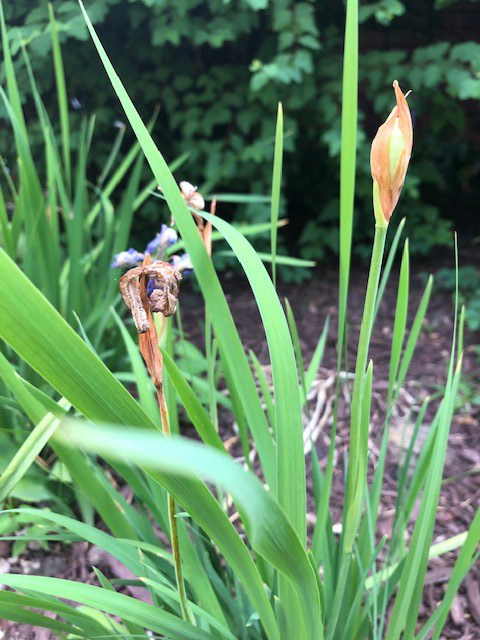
x=117 y=604
x=193 y=406
x=269 y=531
x=222 y=320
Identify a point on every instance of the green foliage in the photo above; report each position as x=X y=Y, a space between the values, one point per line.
x=248 y=568
x=217 y=69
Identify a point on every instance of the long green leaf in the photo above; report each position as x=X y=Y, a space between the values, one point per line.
x=400 y=322
x=61 y=93
x=288 y=419
x=26 y=454
x=413 y=336
x=114 y=603
x=268 y=529
x=215 y=299
x=193 y=406
x=276 y=186
x=347 y=159
x=85 y=625
x=296 y=346
x=317 y=356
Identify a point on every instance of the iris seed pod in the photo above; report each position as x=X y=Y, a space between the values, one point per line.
x=389 y=158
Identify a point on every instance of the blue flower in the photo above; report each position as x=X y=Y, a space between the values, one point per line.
x=127 y=259
x=182 y=263
x=162 y=240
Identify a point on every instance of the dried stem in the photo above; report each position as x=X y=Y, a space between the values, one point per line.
x=148 y=344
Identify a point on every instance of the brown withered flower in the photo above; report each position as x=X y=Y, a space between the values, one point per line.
x=389 y=158
x=162 y=291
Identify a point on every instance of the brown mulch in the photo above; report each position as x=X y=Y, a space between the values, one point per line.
x=312 y=302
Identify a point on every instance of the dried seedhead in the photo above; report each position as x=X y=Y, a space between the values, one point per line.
x=163 y=278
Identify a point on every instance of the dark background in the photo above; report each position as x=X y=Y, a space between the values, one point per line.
x=217 y=69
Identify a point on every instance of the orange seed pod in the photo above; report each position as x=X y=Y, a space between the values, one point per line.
x=389 y=158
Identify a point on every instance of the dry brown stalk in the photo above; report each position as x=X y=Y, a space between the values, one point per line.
x=133 y=287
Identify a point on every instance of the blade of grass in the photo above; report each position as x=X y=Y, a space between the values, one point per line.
x=276 y=187
x=288 y=419
x=413 y=337
x=405 y=467
x=195 y=410
x=267 y=396
x=245 y=229
x=12 y=87
x=36 y=620
x=296 y=346
x=86 y=626
x=112 y=156
x=268 y=257
x=317 y=356
x=26 y=454
x=6 y=228
x=291 y=465
x=348 y=154
x=348 y=151
x=61 y=94
x=356 y=461
x=400 y=323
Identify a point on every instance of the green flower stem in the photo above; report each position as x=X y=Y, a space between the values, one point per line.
x=172 y=520
x=361 y=363
x=353 y=497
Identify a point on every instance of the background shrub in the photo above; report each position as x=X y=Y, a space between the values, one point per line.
x=216 y=69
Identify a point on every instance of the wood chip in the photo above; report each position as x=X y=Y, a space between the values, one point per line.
x=473 y=595
x=456 y=612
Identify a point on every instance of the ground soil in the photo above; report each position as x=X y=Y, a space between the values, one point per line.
x=312 y=301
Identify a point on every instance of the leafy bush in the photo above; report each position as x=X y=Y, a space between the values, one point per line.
x=217 y=69
x=206 y=577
